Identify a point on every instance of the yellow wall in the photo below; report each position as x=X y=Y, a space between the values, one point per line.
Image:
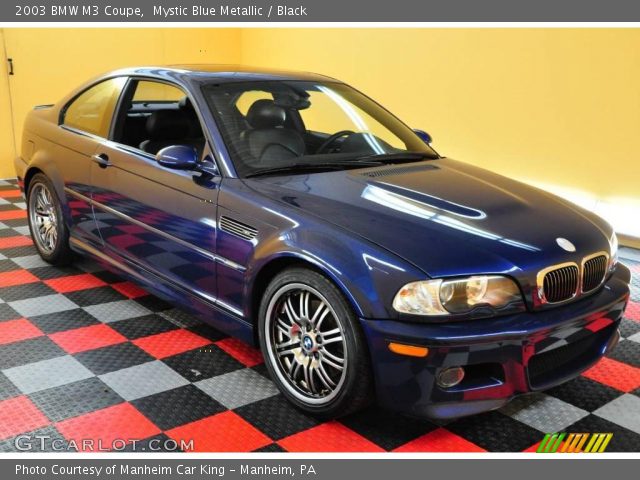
x=558 y=108
x=50 y=62
x=7 y=150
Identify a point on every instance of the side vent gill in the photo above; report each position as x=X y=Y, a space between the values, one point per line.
x=383 y=172
x=237 y=228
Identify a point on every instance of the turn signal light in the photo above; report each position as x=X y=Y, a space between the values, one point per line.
x=408 y=350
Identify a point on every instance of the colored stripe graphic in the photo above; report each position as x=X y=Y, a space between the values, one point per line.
x=574 y=443
x=550 y=443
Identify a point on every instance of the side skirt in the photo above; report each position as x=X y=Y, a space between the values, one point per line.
x=206 y=309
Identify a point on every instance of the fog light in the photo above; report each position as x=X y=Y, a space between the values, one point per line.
x=450 y=377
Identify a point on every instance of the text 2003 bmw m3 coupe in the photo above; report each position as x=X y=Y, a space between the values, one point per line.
x=292 y=211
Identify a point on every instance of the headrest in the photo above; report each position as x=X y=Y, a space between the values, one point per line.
x=167 y=124
x=264 y=113
x=185 y=104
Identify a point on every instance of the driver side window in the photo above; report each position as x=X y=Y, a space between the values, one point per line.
x=159 y=115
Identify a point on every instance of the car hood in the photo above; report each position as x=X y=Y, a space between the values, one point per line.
x=446 y=217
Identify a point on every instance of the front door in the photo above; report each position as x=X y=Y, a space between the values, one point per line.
x=160 y=219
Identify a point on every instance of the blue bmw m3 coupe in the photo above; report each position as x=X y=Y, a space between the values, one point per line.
x=295 y=213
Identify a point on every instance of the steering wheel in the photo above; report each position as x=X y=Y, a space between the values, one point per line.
x=331 y=139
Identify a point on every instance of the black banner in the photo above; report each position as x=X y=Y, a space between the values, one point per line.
x=134 y=11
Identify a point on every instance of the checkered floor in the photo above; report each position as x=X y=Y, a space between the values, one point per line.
x=86 y=355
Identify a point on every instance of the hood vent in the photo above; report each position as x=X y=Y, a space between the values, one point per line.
x=237 y=228
x=383 y=172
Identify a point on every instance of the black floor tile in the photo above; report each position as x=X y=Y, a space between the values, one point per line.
x=28 y=351
x=387 y=429
x=40 y=440
x=7 y=388
x=206 y=362
x=144 y=326
x=177 y=407
x=623 y=440
x=28 y=290
x=94 y=296
x=276 y=417
x=153 y=303
x=112 y=358
x=496 y=432
x=73 y=399
x=584 y=393
x=62 y=321
x=627 y=351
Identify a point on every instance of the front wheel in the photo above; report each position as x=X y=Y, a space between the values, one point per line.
x=48 y=230
x=313 y=347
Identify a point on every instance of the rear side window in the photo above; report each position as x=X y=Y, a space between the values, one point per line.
x=92 y=110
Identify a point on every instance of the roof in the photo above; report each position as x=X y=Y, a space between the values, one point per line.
x=225 y=72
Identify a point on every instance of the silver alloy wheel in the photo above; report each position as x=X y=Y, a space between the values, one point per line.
x=306 y=343
x=43 y=216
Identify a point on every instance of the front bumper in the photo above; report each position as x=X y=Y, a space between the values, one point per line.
x=503 y=356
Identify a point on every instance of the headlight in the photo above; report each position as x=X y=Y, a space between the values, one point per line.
x=613 y=259
x=458 y=296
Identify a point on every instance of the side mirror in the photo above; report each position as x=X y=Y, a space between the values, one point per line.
x=178 y=157
x=424 y=136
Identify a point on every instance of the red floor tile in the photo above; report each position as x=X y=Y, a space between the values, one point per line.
x=17 y=277
x=440 y=440
x=19 y=415
x=633 y=311
x=615 y=374
x=224 y=432
x=17 y=241
x=13 y=214
x=120 y=422
x=73 y=283
x=17 y=330
x=87 y=338
x=170 y=343
x=242 y=352
x=533 y=448
x=10 y=193
x=129 y=289
x=328 y=437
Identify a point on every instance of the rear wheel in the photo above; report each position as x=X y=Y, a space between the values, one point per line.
x=46 y=223
x=313 y=346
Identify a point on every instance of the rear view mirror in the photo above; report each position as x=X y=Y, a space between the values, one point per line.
x=178 y=157
x=424 y=136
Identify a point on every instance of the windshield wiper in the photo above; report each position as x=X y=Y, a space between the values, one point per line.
x=307 y=167
x=396 y=157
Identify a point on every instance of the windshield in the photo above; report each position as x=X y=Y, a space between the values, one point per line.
x=298 y=126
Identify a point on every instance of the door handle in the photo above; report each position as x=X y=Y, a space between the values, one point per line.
x=102 y=159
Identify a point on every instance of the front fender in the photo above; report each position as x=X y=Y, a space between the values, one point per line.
x=368 y=276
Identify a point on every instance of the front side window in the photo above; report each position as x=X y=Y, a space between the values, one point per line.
x=93 y=109
x=272 y=126
x=155 y=115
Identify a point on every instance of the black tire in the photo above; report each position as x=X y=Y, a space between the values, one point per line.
x=353 y=384
x=56 y=253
